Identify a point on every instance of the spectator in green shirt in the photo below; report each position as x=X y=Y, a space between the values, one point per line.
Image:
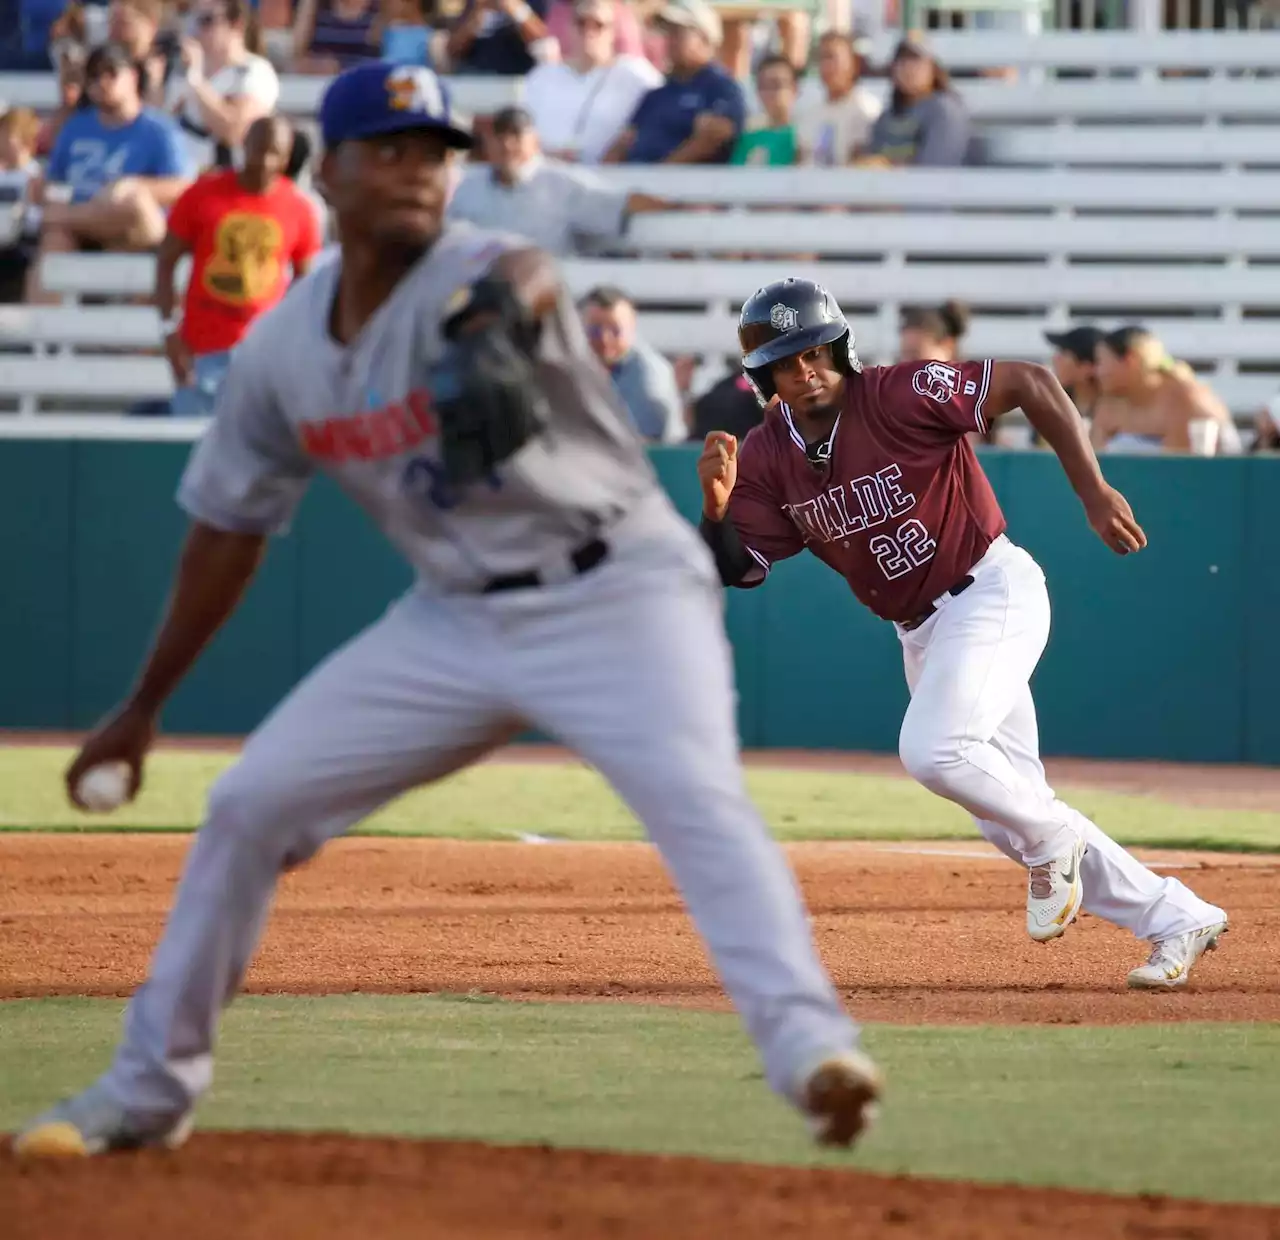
x=769 y=139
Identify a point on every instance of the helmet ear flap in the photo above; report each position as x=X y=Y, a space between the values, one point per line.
x=842 y=353
x=761 y=384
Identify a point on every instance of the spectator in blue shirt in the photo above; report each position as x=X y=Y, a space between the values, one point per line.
x=116 y=166
x=642 y=377
x=695 y=116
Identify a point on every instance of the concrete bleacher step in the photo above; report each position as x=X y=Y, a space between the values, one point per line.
x=939 y=189
x=85 y=378
x=81 y=330
x=955 y=236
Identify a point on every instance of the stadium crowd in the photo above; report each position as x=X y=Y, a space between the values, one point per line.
x=165 y=138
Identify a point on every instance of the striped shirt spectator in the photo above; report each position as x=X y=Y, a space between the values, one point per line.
x=331 y=35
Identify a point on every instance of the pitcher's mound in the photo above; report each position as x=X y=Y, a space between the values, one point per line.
x=256 y=1186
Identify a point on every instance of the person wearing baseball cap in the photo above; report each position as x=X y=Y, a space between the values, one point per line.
x=695 y=116
x=387 y=172
x=555 y=205
x=1073 y=363
x=116 y=200
x=378 y=98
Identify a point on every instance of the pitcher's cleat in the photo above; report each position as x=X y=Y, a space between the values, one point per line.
x=1054 y=893
x=1171 y=959
x=841 y=1097
x=92 y=1123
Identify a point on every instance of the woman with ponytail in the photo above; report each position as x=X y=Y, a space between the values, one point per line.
x=932 y=334
x=1153 y=403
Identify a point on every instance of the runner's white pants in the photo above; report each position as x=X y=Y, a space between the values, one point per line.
x=970 y=735
x=628 y=665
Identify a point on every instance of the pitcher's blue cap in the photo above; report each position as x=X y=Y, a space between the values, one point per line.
x=380 y=97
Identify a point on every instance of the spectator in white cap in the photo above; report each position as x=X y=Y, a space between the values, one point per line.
x=580 y=105
x=695 y=116
x=560 y=208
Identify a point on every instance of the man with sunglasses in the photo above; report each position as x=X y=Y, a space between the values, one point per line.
x=223 y=86
x=581 y=104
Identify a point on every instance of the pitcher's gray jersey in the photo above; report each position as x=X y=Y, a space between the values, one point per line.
x=295 y=401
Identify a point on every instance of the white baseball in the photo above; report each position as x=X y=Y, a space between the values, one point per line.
x=104 y=788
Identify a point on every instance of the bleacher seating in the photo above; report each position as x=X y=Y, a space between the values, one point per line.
x=1205 y=282
x=1038 y=243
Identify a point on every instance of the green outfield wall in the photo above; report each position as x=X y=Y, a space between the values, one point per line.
x=1171 y=654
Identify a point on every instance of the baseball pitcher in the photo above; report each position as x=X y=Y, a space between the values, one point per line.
x=440 y=375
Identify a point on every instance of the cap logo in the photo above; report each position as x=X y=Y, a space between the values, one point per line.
x=783 y=318
x=412 y=88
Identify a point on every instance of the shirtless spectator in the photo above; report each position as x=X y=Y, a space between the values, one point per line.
x=1151 y=403
x=115 y=170
x=832 y=133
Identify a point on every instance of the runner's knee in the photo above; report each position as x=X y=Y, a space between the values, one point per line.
x=929 y=757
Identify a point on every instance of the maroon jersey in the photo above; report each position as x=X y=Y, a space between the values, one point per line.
x=898 y=505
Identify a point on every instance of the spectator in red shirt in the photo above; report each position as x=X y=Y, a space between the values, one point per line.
x=243 y=229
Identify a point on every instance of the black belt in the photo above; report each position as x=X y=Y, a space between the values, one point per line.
x=583 y=560
x=959 y=588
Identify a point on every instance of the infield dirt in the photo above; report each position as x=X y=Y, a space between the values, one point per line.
x=911 y=935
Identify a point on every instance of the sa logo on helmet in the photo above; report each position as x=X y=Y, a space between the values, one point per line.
x=939 y=381
x=783 y=318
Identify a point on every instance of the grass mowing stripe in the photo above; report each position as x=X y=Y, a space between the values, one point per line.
x=1183 y=1109
x=572 y=802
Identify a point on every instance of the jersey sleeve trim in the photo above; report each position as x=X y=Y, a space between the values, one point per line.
x=979 y=416
x=759 y=559
x=199 y=509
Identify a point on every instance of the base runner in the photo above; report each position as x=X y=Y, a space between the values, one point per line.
x=442 y=377
x=871 y=470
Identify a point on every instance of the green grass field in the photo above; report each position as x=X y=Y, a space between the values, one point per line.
x=572 y=802
x=1078 y=1107
x=1184 y=1109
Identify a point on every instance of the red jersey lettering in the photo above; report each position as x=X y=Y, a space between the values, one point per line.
x=901 y=507
x=373 y=435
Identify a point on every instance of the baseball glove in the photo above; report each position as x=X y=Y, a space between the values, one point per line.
x=484 y=385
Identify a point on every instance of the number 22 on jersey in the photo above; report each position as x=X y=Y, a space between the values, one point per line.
x=908 y=547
